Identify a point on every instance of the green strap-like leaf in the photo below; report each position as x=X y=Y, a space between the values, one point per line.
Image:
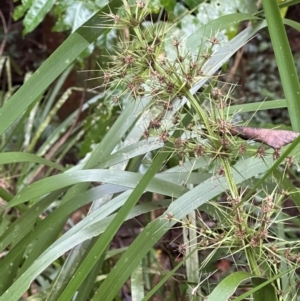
x=195 y=40
x=17 y=157
x=284 y=60
x=294 y=24
x=257 y=106
x=118 y=177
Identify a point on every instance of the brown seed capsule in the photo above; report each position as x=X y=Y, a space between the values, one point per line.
x=260 y=152
x=146 y=134
x=176 y=43
x=214 y=41
x=155 y=124
x=163 y=136
x=168 y=106
x=199 y=151
x=276 y=154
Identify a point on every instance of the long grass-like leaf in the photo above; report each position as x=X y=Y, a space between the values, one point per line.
x=124 y=178
x=18 y=157
x=285 y=62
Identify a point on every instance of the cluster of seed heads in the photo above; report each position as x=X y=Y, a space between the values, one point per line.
x=141 y=68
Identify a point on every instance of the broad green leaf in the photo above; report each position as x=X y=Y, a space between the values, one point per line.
x=36 y=14
x=168 y=5
x=21 y=9
x=245 y=6
x=77 y=14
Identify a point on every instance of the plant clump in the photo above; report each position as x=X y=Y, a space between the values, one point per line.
x=197 y=125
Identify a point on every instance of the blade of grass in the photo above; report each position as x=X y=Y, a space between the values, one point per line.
x=44 y=227
x=190 y=243
x=294 y=24
x=49 y=101
x=87 y=286
x=13 y=235
x=189 y=202
x=285 y=61
x=137 y=283
x=257 y=106
x=17 y=157
x=124 y=178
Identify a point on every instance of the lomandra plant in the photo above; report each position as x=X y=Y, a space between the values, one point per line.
x=174 y=107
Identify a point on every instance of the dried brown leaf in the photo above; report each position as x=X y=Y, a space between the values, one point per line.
x=273 y=138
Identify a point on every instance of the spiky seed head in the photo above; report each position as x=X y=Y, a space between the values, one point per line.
x=176 y=43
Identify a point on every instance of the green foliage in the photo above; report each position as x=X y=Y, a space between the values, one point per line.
x=162 y=77
x=70 y=13
x=100 y=118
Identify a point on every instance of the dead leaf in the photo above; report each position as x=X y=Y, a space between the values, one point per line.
x=273 y=138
